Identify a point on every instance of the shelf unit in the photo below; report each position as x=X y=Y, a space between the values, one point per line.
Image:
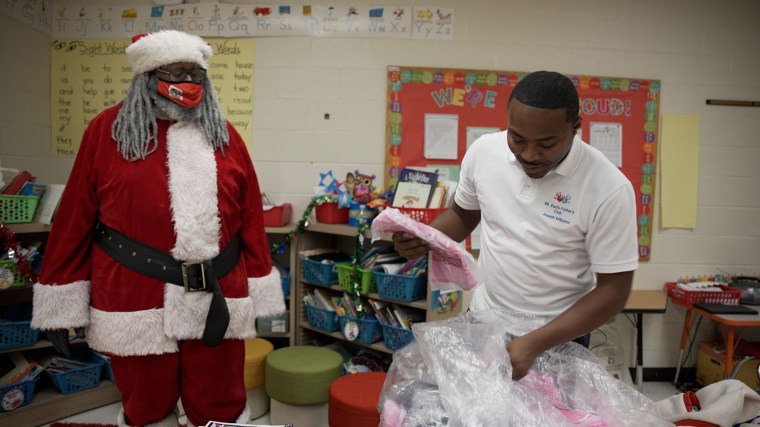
x=341 y=237
x=47 y=403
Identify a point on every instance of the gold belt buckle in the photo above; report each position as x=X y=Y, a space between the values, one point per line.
x=185 y=277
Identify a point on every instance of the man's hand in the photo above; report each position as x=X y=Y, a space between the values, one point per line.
x=409 y=246
x=522 y=356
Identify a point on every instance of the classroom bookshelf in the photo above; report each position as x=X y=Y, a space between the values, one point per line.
x=48 y=404
x=342 y=237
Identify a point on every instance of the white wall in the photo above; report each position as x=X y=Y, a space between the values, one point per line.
x=698 y=49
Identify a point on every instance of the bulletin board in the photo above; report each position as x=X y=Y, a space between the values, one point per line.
x=434 y=113
x=88 y=76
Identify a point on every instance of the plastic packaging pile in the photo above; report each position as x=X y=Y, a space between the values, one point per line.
x=450 y=263
x=457 y=373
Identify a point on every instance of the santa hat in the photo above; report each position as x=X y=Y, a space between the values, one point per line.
x=150 y=51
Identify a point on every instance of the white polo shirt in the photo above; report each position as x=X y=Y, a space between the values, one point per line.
x=543 y=239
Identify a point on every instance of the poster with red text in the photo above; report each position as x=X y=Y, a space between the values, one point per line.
x=433 y=114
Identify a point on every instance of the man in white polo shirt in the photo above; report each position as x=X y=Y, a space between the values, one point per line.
x=558 y=220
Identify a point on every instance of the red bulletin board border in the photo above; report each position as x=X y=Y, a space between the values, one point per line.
x=479 y=99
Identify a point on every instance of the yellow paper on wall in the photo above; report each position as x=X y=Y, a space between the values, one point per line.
x=679 y=163
x=88 y=76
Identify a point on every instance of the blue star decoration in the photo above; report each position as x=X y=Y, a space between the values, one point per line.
x=331 y=187
x=322 y=177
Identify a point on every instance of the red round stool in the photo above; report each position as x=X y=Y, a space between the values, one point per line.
x=353 y=400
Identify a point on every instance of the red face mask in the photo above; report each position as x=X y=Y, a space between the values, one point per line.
x=186 y=94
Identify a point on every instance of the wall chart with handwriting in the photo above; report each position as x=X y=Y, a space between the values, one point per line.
x=88 y=76
x=434 y=114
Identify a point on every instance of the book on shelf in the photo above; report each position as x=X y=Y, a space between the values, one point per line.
x=59 y=364
x=406 y=317
x=414 y=188
x=16 y=368
x=439 y=196
x=32 y=189
x=451 y=189
x=16 y=183
x=339 y=308
x=48 y=204
x=323 y=300
x=379 y=309
x=348 y=304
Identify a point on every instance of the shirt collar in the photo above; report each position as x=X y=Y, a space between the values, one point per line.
x=573 y=159
x=568 y=166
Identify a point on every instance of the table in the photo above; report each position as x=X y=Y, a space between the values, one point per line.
x=729 y=321
x=640 y=303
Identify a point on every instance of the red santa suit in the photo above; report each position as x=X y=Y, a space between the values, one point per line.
x=188 y=200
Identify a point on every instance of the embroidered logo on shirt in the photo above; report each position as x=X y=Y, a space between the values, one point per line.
x=556 y=210
x=562 y=198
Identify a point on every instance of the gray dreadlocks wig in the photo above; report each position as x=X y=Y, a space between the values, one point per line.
x=136 y=131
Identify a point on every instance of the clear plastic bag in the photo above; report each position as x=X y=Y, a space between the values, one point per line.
x=457 y=373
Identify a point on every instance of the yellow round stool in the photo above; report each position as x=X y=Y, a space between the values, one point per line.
x=256 y=351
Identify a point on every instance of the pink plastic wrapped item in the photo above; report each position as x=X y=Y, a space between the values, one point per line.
x=450 y=263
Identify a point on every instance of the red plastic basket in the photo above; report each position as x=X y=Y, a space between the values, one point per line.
x=331 y=213
x=728 y=296
x=278 y=216
x=425 y=216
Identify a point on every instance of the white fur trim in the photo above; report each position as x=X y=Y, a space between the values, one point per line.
x=193 y=192
x=133 y=333
x=266 y=294
x=170 y=421
x=121 y=420
x=245 y=416
x=186 y=315
x=61 y=306
x=167 y=47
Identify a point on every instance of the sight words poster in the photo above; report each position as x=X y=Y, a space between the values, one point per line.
x=89 y=76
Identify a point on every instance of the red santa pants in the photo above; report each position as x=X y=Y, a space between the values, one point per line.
x=209 y=380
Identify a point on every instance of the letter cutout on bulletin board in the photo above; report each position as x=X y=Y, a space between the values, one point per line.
x=88 y=76
x=624 y=113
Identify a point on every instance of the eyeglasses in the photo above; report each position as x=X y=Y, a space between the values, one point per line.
x=178 y=75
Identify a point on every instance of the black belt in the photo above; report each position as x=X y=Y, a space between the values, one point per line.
x=195 y=276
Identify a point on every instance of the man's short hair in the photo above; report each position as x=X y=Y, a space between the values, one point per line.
x=548 y=90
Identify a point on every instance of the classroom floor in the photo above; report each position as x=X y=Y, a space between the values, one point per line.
x=107 y=414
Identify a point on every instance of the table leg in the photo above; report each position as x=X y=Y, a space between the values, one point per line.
x=640 y=352
x=729 y=351
x=684 y=338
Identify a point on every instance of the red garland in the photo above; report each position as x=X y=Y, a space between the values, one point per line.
x=8 y=239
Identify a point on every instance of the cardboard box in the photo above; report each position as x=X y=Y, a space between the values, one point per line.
x=711 y=365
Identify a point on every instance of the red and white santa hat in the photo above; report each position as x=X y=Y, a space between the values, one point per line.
x=150 y=51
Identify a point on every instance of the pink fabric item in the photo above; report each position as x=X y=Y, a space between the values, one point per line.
x=582 y=419
x=545 y=385
x=449 y=261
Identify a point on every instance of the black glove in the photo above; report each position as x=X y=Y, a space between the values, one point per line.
x=60 y=339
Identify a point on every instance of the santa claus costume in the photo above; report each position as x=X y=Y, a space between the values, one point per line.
x=175 y=177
